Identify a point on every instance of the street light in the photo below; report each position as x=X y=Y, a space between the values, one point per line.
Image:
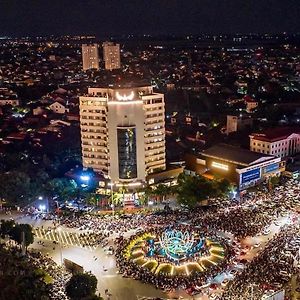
x=85 y=178
x=60 y=246
x=42 y=207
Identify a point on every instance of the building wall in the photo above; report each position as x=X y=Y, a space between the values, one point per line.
x=93 y=125
x=126 y=115
x=247 y=176
x=58 y=108
x=282 y=148
x=110 y=119
x=111 y=56
x=90 y=57
x=222 y=169
x=235 y=123
x=13 y=102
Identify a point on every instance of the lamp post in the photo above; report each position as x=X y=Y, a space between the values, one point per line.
x=60 y=246
x=111 y=195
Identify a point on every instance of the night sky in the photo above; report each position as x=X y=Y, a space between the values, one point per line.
x=116 y=17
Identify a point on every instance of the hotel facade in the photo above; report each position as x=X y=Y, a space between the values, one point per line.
x=123 y=132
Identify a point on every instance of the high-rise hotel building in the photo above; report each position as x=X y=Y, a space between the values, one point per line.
x=90 y=57
x=111 y=56
x=123 y=132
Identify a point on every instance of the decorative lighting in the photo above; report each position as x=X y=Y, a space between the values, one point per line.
x=176 y=244
x=219 y=166
x=125 y=97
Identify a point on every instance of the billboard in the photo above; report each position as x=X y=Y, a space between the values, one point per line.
x=250 y=175
x=271 y=168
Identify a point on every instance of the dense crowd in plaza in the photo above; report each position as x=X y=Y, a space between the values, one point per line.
x=34 y=267
x=271 y=269
x=58 y=274
x=245 y=217
x=248 y=216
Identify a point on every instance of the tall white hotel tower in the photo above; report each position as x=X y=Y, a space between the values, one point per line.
x=123 y=132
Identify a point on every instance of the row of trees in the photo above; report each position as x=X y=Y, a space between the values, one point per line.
x=190 y=190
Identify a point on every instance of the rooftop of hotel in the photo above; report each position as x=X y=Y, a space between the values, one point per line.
x=235 y=154
x=275 y=134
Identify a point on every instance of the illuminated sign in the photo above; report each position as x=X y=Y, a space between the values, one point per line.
x=125 y=97
x=271 y=168
x=251 y=175
x=219 y=166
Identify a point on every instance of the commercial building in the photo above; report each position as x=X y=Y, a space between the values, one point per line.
x=237 y=123
x=280 y=142
x=111 y=56
x=90 y=57
x=123 y=132
x=243 y=167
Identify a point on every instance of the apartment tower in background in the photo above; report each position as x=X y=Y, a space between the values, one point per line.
x=111 y=56
x=90 y=57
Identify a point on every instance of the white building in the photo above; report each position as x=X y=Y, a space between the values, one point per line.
x=58 y=108
x=123 y=132
x=280 y=142
x=237 y=123
x=90 y=57
x=111 y=56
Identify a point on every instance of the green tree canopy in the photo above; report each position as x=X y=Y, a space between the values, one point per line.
x=17 y=187
x=162 y=191
x=81 y=286
x=192 y=189
x=16 y=234
x=6 y=227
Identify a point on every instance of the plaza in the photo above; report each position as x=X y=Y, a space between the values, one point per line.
x=181 y=254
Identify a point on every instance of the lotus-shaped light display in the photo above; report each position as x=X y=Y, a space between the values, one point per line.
x=176 y=244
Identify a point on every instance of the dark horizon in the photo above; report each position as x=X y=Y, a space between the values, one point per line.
x=138 y=17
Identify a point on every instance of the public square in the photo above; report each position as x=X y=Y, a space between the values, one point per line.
x=259 y=251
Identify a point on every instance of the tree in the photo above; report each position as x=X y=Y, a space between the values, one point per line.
x=223 y=186
x=17 y=187
x=274 y=180
x=6 y=227
x=81 y=286
x=192 y=189
x=16 y=234
x=162 y=191
x=63 y=188
x=144 y=194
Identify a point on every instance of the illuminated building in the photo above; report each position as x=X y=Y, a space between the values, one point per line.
x=281 y=141
x=243 y=167
x=90 y=57
x=123 y=132
x=111 y=56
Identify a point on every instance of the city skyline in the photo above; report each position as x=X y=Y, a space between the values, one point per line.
x=22 y=18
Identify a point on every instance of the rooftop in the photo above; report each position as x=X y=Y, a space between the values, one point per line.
x=236 y=155
x=275 y=134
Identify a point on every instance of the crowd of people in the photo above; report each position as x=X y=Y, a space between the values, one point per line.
x=271 y=269
x=58 y=274
x=247 y=216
